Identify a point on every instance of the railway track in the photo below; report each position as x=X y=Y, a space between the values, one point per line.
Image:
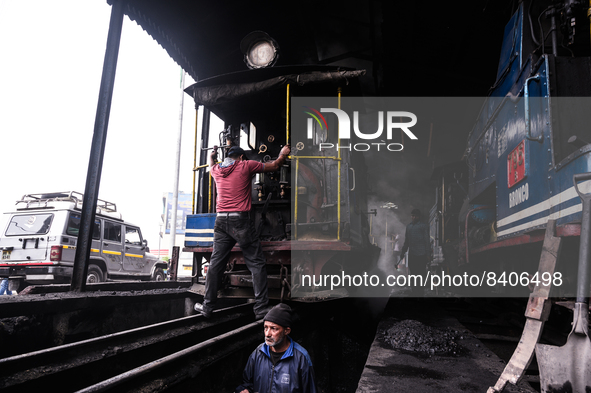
x=193 y=353
x=157 y=357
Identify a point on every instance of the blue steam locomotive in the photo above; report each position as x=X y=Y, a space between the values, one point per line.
x=531 y=136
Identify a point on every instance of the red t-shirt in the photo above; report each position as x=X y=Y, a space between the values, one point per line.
x=234 y=185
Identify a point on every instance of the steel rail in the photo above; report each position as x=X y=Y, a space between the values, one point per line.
x=16 y=369
x=138 y=371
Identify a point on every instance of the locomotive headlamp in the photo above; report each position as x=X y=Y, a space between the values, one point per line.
x=260 y=50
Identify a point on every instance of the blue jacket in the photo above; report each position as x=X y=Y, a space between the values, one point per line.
x=293 y=373
x=417 y=240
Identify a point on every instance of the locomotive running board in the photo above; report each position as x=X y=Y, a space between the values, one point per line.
x=538 y=309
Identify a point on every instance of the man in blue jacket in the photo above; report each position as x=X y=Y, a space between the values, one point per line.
x=279 y=364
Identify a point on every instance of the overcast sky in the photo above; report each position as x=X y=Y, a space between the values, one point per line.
x=52 y=55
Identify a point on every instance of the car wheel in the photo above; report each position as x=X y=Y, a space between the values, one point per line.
x=95 y=274
x=158 y=275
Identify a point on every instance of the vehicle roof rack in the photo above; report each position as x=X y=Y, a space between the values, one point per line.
x=67 y=196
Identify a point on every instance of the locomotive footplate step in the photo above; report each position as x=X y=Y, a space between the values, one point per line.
x=418 y=348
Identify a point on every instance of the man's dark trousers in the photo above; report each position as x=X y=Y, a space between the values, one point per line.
x=417 y=265
x=228 y=231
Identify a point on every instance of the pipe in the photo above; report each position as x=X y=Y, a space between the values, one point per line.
x=554 y=32
x=177 y=167
x=97 y=150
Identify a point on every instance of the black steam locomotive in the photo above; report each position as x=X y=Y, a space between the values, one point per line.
x=311 y=215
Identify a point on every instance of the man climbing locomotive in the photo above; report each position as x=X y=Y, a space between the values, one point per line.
x=233 y=225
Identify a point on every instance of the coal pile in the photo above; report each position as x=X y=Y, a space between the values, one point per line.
x=413 y=336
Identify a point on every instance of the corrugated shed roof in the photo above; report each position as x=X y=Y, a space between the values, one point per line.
x=440 y=49
x=204 y=37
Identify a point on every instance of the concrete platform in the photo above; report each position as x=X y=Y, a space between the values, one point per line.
x=390 y=369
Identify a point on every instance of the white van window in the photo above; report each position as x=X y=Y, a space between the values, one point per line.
x=30 y=224
x=74 y=226
x=132 y=236
x=112 y=232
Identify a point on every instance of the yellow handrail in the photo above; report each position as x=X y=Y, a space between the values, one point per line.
x=287 y=117
x=195 y=159
x=312 y=157
x=295 y=213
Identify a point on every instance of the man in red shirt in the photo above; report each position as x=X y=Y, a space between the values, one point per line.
x=233 y=178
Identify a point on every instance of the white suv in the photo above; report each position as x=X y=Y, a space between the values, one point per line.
x=38 y=243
